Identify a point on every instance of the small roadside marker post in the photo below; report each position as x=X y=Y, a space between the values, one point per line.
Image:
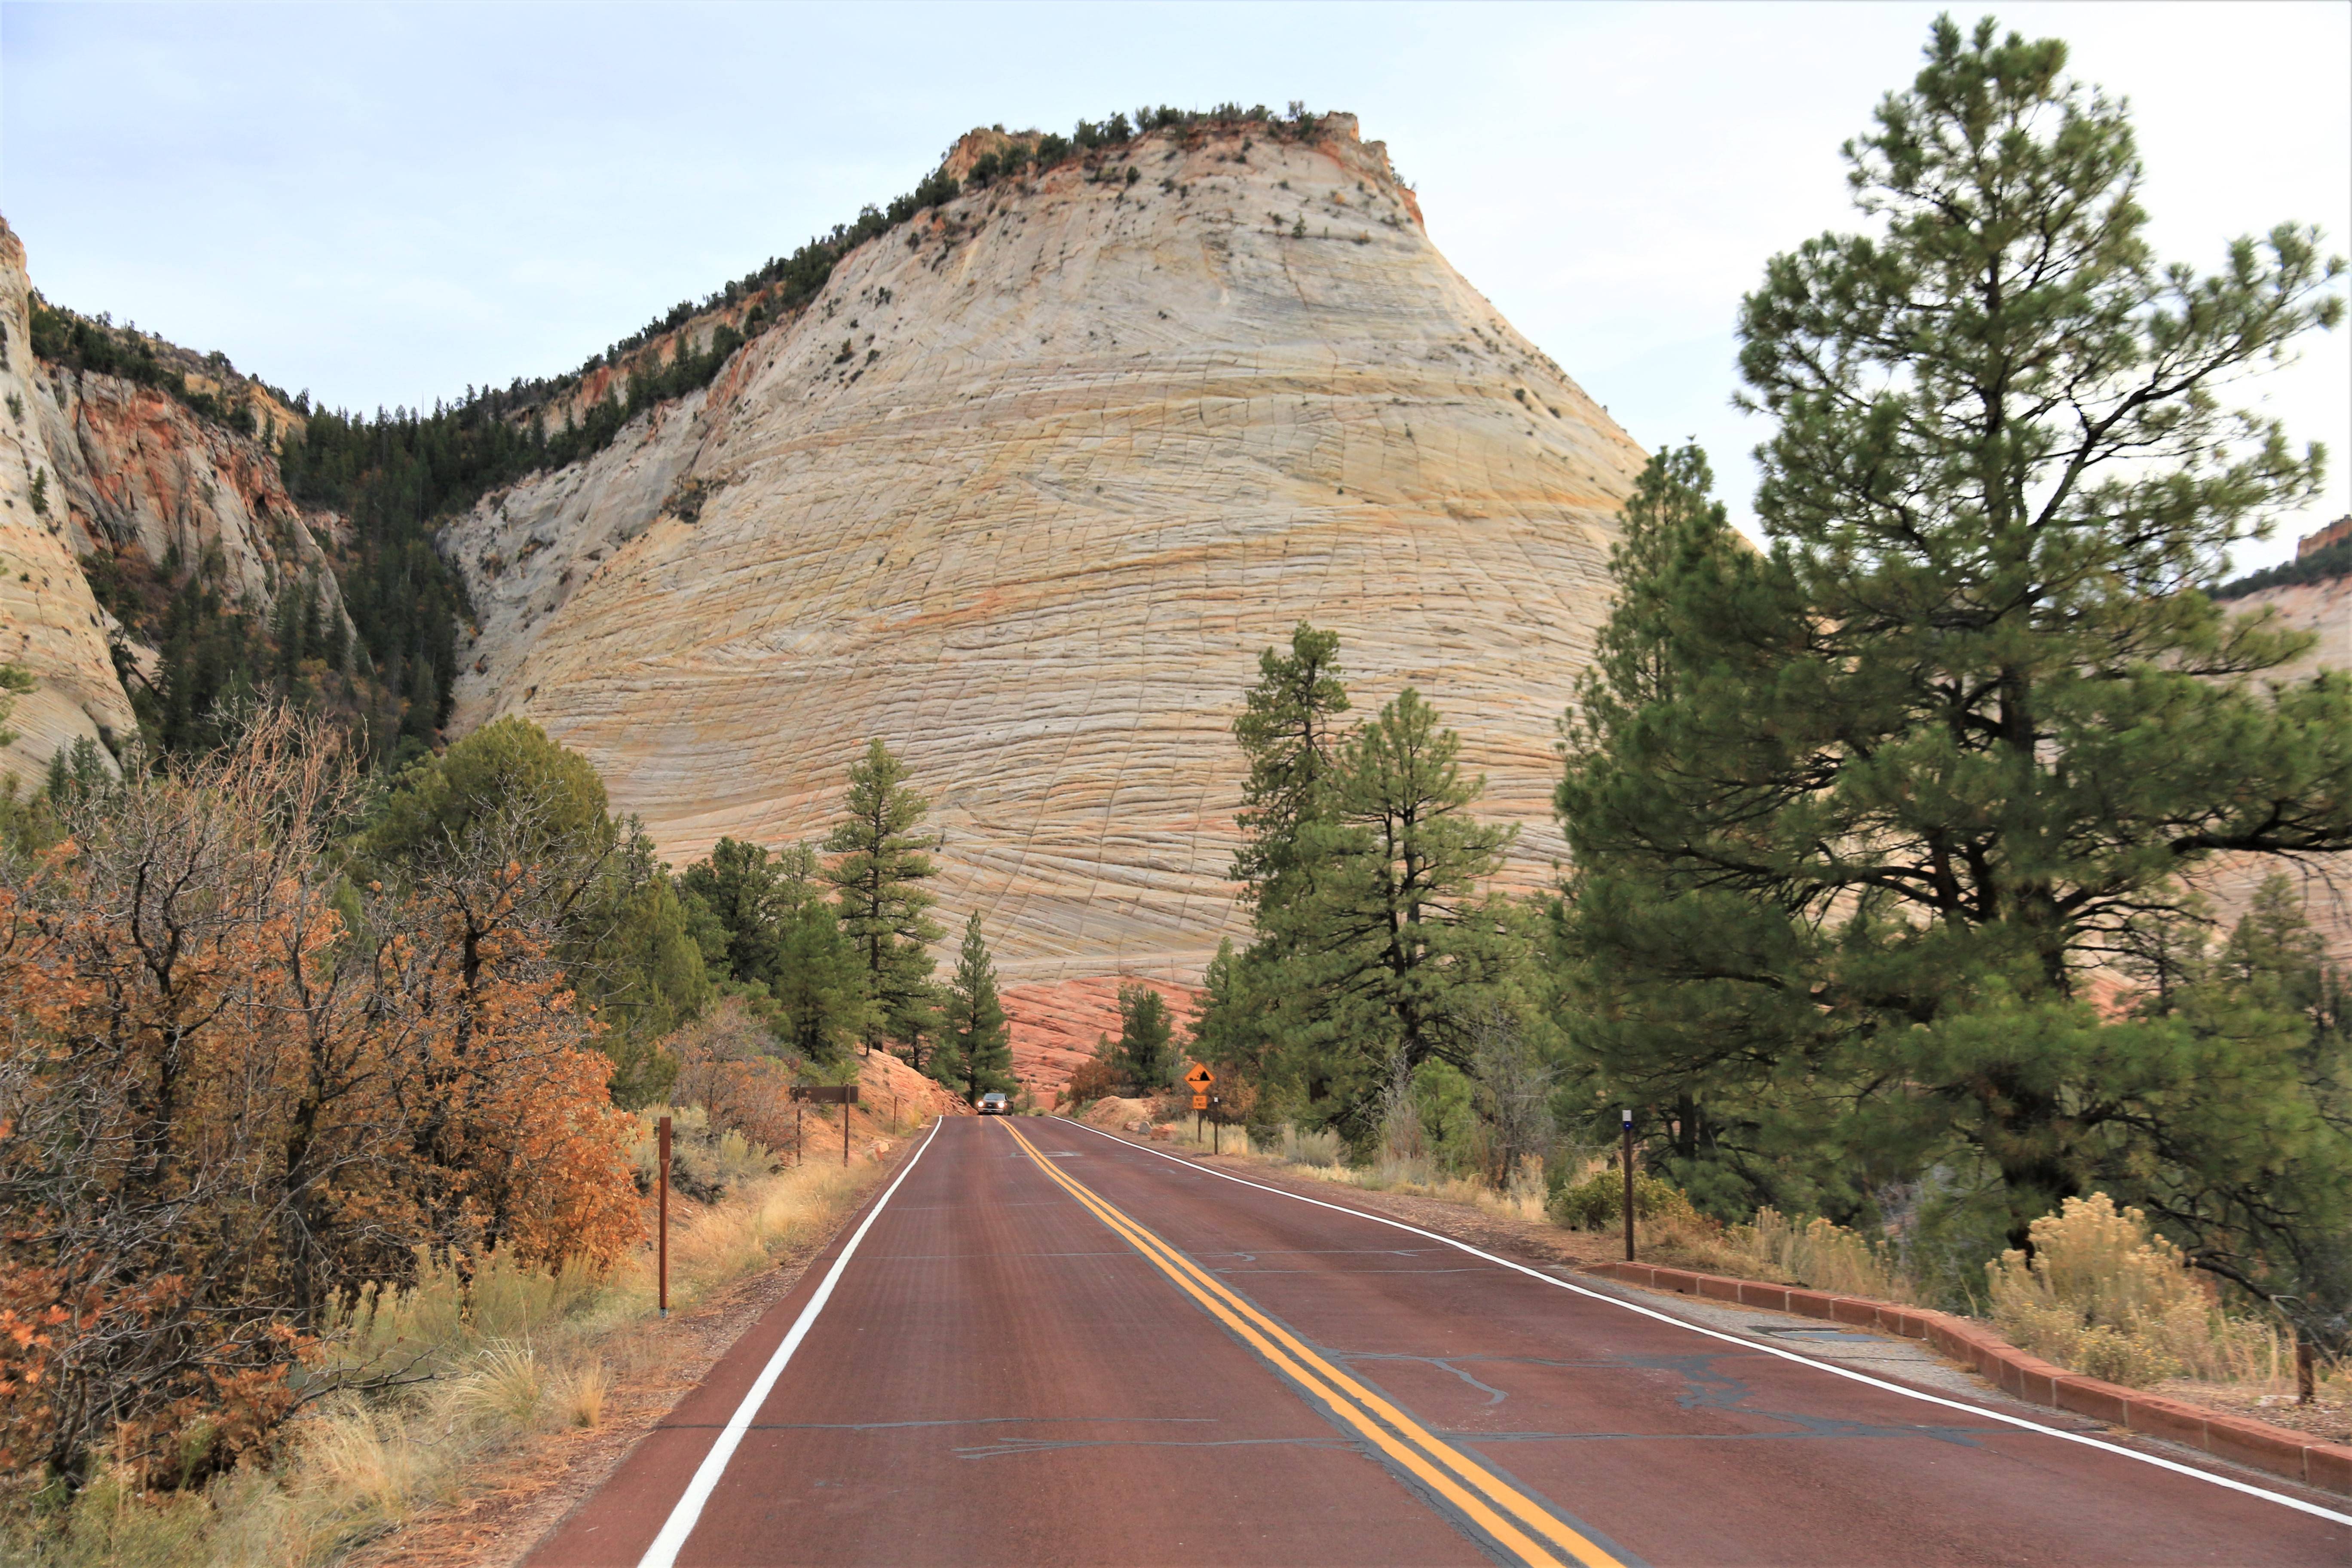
x=1627 y=1116
x=844 y=1095
x=661 y=1181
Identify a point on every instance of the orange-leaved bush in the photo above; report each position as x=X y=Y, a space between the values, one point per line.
x=235 y=1092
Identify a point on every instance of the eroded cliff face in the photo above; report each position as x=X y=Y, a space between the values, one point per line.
x=133 y=475
x=1025 y=492
x=2323 y=609
x=50 y=625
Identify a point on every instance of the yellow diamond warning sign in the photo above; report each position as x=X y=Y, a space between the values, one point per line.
x=1200 y=1077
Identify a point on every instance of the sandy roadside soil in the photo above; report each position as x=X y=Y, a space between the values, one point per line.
x=518 y=1497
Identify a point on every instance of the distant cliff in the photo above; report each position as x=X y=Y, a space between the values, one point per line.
x=1025 y=491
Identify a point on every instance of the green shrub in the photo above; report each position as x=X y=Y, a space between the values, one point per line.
x=1597 y=1202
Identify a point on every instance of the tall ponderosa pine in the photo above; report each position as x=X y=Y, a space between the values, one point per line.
x=1853 y=820
x=1289 y=735
x=1394 y=950
x=1362 y=865
x=884 y=859
x=1288 y=729
x=770 y=926
x=976 y=1049
x=818 y=982
x=2244 y=1154
x=1145 y=1051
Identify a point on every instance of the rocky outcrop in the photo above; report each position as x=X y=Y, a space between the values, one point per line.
x=50 y=625
x=1057 y=1024
x=130 y=473
x=2323 y=608
x=1025 y=491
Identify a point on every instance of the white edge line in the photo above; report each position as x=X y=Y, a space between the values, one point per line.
x=2088 y=1442
x=680 y=1524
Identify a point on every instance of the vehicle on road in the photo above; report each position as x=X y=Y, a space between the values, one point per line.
x=993 y=1104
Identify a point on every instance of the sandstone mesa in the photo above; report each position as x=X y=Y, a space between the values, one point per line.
x=1025 y=491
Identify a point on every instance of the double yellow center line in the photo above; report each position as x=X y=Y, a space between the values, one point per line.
x=1508 y=1516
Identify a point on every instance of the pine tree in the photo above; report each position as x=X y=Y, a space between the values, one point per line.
x=816 y=977
x=14 y=682
x=977 y=1045
x=1287 y=729
x=1853 y=820
x=742 y=890
x=883 y=861
x=1395 y=950
x=1146 y=1049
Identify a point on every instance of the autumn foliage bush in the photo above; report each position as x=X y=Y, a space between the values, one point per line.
x=235 y=1091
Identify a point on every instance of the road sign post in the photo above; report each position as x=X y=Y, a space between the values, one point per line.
x=1200 y=1077
x=844 y=1095
x=1627 y=1115
x=661 y=1183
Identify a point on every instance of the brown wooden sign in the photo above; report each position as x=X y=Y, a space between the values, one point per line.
x=827 y=1093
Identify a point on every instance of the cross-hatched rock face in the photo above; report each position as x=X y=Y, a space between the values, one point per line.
x=126 y=472
x=1025 y=493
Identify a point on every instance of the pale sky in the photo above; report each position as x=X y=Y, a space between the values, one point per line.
x=383 y=204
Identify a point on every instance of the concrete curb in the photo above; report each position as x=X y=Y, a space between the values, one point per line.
x=2327 y=1465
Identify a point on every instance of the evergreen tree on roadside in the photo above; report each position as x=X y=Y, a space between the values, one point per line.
x=1853 y=820
x=1288 y=732
x=2254 y=1180
x=883 y=860
x=1395 y=950
x=1147 y=1054
x=508 y=792
x=976 y=1045
x=739 y=887
x=768 y=925
x=817 y=980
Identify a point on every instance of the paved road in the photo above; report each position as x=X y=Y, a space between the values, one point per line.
x=1045 y=1345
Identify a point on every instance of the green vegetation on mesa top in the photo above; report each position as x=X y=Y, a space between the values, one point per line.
x=2331 y=561
x=396 y=475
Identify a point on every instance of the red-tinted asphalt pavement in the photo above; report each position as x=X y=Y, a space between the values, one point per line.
x=1051 y=1346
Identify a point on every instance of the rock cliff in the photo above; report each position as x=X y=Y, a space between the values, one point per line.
x=126 y=474
x=1025 y=491
x=50 y=625
x=2323 y=609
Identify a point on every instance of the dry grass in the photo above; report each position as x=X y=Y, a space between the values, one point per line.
x=2105 y=1296
x=1817 y=1255
x=492 y=1360
x=1321 y=1156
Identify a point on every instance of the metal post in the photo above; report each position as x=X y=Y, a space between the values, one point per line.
x=1627 y=1115
x=661 y=1180
x=844 y=1135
